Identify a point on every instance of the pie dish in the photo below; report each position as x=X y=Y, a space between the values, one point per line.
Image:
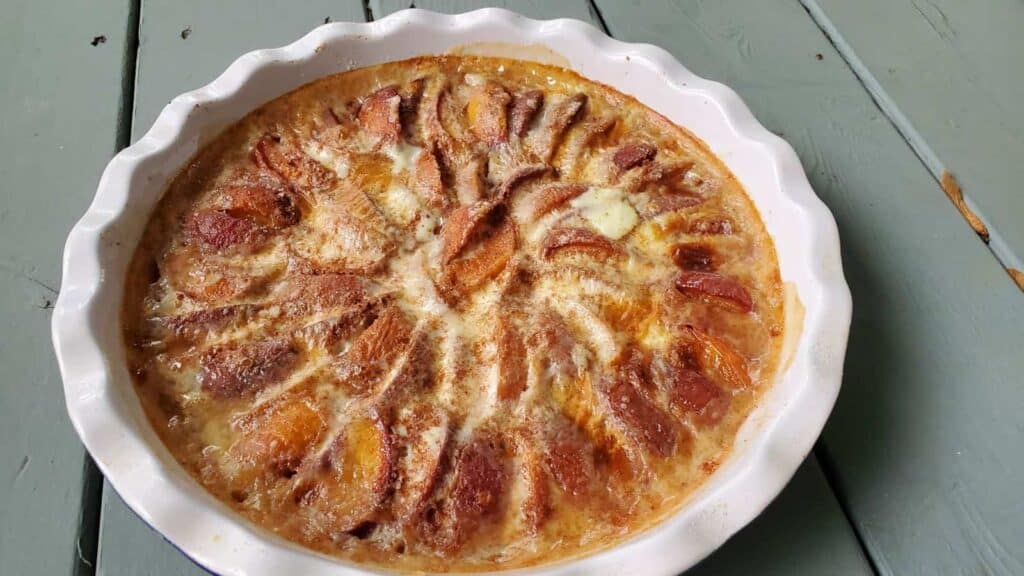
x=560 y=280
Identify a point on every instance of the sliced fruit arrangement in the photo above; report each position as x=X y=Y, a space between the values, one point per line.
x=454 y=311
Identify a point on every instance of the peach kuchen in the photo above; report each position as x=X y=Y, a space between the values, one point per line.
x=453 y=312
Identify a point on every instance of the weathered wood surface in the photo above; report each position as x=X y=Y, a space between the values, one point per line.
x=59 y=105
x=926 y=437
x=952 y=74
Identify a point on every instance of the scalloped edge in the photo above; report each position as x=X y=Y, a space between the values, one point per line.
x=770 y=446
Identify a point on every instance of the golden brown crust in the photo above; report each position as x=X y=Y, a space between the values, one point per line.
x=453 y=313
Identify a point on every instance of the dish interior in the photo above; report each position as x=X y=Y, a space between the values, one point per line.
x=453 y=313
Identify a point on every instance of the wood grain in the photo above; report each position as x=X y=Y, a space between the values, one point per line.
x=59 y=105
x=949 y=73
x=926 y=432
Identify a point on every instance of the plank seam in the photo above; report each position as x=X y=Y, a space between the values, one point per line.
x=872 y=554
x=596 y=12
x=87 y=544
x=997 y=246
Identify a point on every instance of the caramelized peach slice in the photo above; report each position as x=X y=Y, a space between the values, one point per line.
x=569 y=458
x=379 y=115
x=272 y=206
x=344 y=323
x=348 y=484
x=577 y=146
x=714 y=287
x=690 y=392
x=216 y=231
x=639 y=418
x=460 y=226
x=552 y=196
x=556 y=119
x=511 y=361
x=469 y=181
x=479 y=482
x=536 y=503
x=302 y=294
x=278 y=436
x=633 y=154
x=211 y=279
x=489 y=259
x=423 y=434
x=487 y=114
x=503 y=190
x=362 y=368
x=579 y=241
x=233 y=371
x=275 y=153
x=694 y=256
x=717 y=359
x=425 y=180
x=201 y=324
x=552 y=338
x=524 y=108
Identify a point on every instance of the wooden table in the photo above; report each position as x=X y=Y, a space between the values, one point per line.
x=921 y=466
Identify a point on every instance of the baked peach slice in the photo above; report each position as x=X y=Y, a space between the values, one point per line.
x=579 y=241
x=234 y=371
x=556 y=118
x=461 y=226
x=552 y=339
x=278 y=154
x=633 y=154
x=474 y=494
x=511 y=360
x=716 y=289
x=362 y=369
x=523 y=110
x=422 y=435
x=487 y=260
x=348 y=483
x=263 y=199
x=569 y=459
x=487 y=113
x=716 y=359
x=277 y=436
x=379 y=115
x=425 y=181
x=535 y=507
x=552 y=196
x=695 y=256
x=211 y=279
x=200 y=325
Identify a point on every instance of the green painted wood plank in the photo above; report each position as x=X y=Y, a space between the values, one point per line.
x=59 y=106
x=185 y=45
x=926 y=435
x=949 y=73
x=579 y=9
x=802 y=532
x=169 y=63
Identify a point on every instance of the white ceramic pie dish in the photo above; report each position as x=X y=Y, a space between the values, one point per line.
x=770 y=446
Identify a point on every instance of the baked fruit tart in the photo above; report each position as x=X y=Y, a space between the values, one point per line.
x=453 y=313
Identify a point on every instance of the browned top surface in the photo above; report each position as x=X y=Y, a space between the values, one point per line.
x=453 y=312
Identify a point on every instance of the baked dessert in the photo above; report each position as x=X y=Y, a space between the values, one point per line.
x=455 y=313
